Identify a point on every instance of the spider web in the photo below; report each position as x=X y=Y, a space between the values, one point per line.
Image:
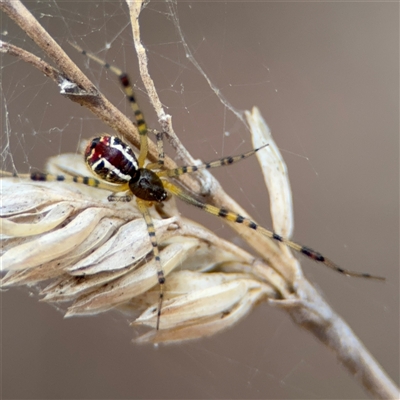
x=329 y=91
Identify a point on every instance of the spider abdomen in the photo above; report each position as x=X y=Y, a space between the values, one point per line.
x=111 y=159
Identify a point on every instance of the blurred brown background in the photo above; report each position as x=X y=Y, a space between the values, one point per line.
x=326 y=78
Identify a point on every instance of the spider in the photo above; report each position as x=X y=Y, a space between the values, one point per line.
x=113 y=161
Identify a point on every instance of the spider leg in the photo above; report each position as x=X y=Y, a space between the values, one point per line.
x=160 y=147
x=123 y=199
x=161 y=156
x=9 y=174
x=213 y=164
x=233 y=217
x=84 y=180
x=130 y=95
x=142 y=205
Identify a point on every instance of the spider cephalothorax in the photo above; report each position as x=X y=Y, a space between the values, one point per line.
x=146 y=185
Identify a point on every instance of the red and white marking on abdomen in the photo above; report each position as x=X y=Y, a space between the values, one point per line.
x=111 y=159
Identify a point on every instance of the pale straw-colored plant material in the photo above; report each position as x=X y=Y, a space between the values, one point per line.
x=94 y=255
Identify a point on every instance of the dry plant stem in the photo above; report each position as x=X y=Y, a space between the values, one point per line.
x=304 y=304
x=164 y=119
x=89 y=95
x=30 y=58
x=311 y=311
x=205 y=183
x=27 y=22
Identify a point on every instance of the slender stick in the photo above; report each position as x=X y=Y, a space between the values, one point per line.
x=312 y=312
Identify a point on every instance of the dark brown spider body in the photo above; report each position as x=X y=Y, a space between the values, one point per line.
x=146 y=185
